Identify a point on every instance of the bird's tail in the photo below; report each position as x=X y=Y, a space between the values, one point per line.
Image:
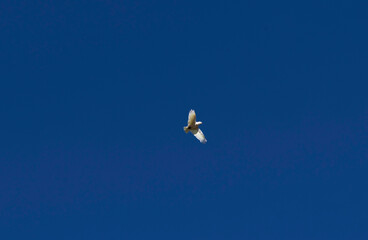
x=186 y=129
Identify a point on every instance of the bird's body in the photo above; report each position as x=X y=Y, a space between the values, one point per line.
x=193 y=127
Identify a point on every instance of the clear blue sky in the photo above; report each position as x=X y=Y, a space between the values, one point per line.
x=94 y=96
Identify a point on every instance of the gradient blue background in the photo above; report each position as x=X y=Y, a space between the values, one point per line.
x=94 y=96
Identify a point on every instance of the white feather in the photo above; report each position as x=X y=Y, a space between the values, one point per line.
x=191 y=118
x=199 y=135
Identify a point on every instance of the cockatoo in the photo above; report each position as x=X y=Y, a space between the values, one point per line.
x=193 y=127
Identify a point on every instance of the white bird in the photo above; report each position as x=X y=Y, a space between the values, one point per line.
x=193 y=127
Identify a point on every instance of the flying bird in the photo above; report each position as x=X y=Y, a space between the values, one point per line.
x=193 y=127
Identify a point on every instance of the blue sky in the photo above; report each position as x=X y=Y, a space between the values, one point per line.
x=94 y=96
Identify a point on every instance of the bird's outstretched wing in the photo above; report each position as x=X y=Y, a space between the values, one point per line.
x=199 y=135
x=191 y=118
